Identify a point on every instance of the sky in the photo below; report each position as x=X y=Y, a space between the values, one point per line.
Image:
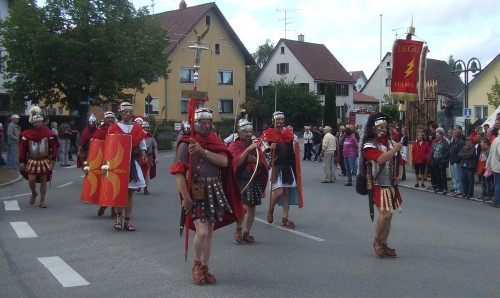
x=350 y=29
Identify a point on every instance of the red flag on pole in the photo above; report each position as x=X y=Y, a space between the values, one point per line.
x=405 y=64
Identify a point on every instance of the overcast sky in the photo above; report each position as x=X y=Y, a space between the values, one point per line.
x=351 y=28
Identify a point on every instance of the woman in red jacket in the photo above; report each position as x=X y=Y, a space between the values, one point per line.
x=419 y=153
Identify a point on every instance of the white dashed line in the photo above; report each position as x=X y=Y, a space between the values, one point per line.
x=71 y=167
x=15 y=196
x=66 y=276
x=66 y=184
x=23 y=229
x=169 y=155
x=11 y=205
x=291 y=231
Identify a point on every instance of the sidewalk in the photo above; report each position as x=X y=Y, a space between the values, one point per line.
x=411 y=180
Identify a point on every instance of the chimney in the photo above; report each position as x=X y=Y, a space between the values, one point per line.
x=301 y=37
x=182 y=4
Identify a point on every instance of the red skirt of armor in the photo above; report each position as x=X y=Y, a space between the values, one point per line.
x=38 y=167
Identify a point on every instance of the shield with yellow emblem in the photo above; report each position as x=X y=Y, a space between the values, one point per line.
x=92 y=167
x=115 y=170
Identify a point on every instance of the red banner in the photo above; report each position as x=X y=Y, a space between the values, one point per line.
x=405 y=63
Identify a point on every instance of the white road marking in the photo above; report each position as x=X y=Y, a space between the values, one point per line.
x=66 y=276
x=23 y=229
x=71 y=167
x=15 y=196
x=291 y=231
x=66 y=184
x=82 y=176
x=11 y=205
x=169 y=155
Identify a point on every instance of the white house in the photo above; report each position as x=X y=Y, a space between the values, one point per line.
x=311 y=65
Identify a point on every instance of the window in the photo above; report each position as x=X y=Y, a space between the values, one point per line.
x=282 y=50
x=342 y=90
x=225 y=77
x=388 y=82
x=282 y=68
x=481 y=111
x=217 y=49
x=320 y=88
x=225 y=105
x=151 y=105
x=187 y=75
x=304 y=86
x=184 y=105
x=263 y=89
x=339 y=112
x=207 y=20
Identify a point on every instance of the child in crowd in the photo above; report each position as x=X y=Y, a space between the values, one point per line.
x=486 y=182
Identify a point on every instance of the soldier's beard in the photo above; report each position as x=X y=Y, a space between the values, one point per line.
x=379 y=132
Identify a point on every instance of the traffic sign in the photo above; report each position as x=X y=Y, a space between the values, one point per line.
x=467 y=113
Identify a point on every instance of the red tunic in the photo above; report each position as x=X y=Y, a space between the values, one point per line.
x=100 y=133
x=229 y=182
x=38 y=163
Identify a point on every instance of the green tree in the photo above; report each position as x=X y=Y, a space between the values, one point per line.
x=260 y=56
x=71 y=51
x=300 y=106
x=330 y=111
x=494 y=96
x=451 y=61
x=252 y=105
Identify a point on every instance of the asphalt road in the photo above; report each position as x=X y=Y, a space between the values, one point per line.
x=447 y=247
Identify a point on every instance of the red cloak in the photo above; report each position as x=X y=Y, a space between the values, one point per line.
x=137 y=133
x=237 y=148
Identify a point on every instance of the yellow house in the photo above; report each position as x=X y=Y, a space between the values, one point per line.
x=480 y=86
x=222 y=66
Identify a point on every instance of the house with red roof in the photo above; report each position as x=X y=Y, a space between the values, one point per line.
x=222 y=65
x=311 y=65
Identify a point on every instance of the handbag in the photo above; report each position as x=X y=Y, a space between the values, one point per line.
x=488 y=172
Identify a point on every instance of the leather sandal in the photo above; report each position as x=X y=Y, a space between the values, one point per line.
x=237 y=236
x=247 y=237
x=128 y=226
x=270 y=216
x=198 y=276
x=118 y=223
x=390 y=252
x=377 y=247
x=287 y=223
x=33 y=198
x=209 y=277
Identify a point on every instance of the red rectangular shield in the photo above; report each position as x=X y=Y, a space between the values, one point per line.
x=91 y=188
x=115 y=170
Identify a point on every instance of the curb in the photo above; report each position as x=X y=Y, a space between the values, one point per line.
x=448 y=194
x=19 y=177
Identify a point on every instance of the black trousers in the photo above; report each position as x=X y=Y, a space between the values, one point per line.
x=307 y=151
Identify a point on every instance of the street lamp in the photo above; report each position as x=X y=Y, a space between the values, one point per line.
x=458 y=67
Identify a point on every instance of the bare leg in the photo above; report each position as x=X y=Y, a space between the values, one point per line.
x=286 y=201
x=130 y=203
x=202 y=242
x=43 y=188
x=32 y=185
x=383 y=225
x=250 y=217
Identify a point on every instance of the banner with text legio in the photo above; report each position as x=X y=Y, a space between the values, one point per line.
x=405 y=63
